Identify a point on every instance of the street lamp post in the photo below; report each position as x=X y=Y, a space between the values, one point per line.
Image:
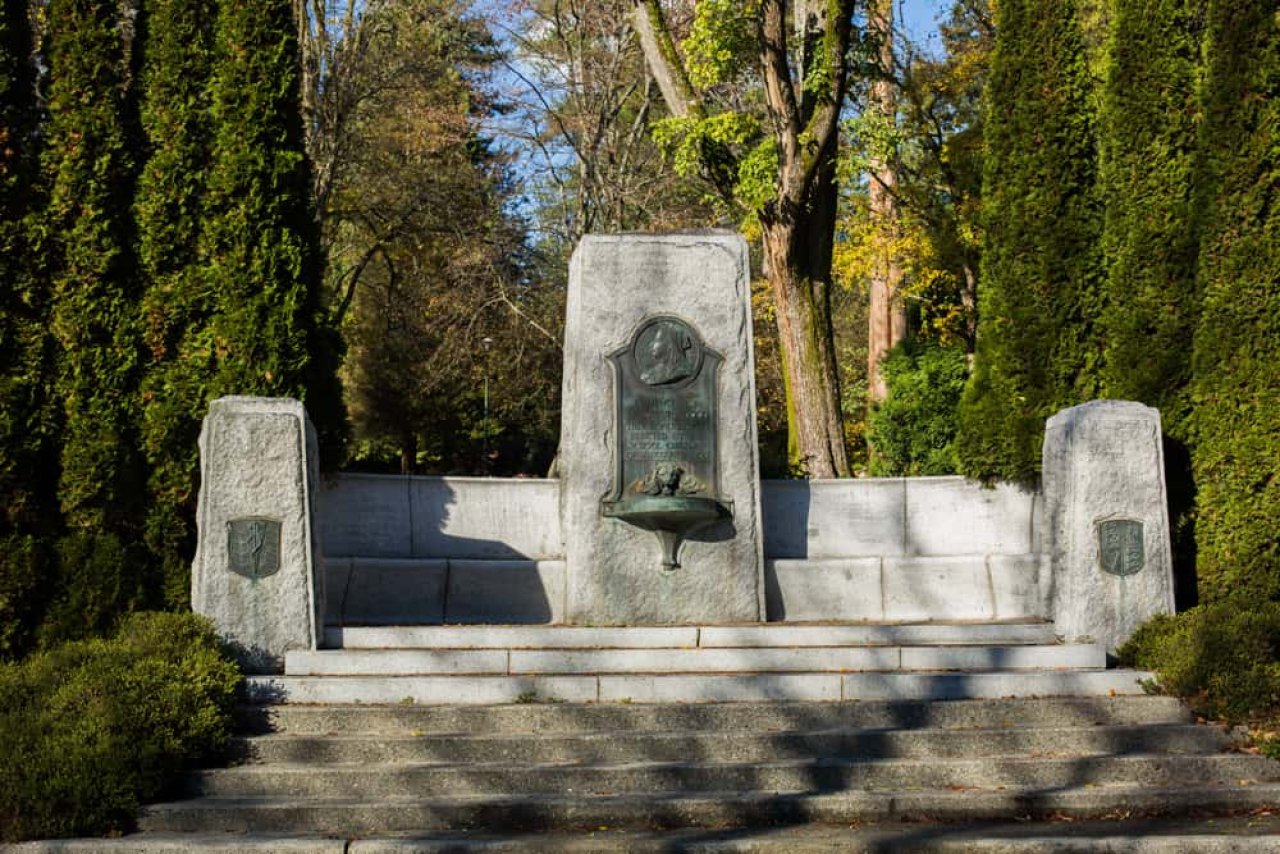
x=486 y=343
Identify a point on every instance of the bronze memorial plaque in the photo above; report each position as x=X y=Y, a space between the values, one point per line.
x=1120 y=547
x=253 y=547
x=666 y=399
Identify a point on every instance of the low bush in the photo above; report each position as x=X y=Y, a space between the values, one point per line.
x=913 y=432
x=92 y=729
x=1224 y=658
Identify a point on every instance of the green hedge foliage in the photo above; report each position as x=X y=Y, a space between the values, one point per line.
x=1223 y=657
x=88 y=163
x=1236 y=390
x=1038 y=289
x=177 y=305
x=913 y=431
x=260 y=244
x=158 y=251
x=27 y=458
x=1148 y=162
x=92 y=729
x=87 y=237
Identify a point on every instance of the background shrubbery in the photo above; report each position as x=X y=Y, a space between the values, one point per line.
x=914 y=430
x=91 y=729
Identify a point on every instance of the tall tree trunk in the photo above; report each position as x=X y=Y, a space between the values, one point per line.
x=409 y=452
x=799 y=222
x=887 y=316
x=801 y=283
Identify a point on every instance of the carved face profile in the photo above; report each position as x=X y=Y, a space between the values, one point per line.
x=665 y=353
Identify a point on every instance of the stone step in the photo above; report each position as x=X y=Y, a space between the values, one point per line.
x=1252 y=834
x=354 y=817
x=641 y=637
x=407 y=662
x=578 y=719
x=701 y=688
x=735 y=746
x=376 y=781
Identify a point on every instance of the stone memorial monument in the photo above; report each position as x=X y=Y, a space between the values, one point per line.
x=1107 y=521
x=256 y=567
x=660 y=490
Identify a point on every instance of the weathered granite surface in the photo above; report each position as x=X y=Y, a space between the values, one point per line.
x=613 y=568
x=258 y=463
x=1104 y=464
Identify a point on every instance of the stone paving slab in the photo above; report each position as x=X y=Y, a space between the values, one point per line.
x=887 y=634
x=1250 y=834
x=509 y=637
x=643 y=637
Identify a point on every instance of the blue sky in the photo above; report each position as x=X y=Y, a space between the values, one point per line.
x=919 y=17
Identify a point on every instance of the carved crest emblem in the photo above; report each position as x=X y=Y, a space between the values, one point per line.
x=253 y=547
x=1120 y=548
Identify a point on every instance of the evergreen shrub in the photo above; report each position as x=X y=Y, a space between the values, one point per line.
x=1223 y=657
x=913 y=431
x=1148 y=157
x=1236 y=362
x=22 y=578
x=92 y=729
x=269 y=332
x=1037 y=351
x=177 y=303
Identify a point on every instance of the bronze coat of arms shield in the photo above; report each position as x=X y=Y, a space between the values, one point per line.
x=1120 y=548
x=253 y=547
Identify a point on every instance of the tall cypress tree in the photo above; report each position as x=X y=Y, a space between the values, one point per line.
x=27 y=463
x=1236 y=361
x=177 y=304
x=1151 y=299
x=94 y=315
x=1038 y=289
x=260 y=243
x=1148 y=157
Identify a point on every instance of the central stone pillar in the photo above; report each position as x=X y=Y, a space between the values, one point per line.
x=659 y=463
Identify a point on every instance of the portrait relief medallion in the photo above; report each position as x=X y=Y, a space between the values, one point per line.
x=666 y=352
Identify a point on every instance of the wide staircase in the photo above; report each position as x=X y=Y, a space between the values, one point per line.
x=766 y=737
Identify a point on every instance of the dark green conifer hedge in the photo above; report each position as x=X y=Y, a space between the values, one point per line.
x=27 y=473
x=1236 y=390
x=177 y=304
x=1037 y=350
x=1148 y=160
x=268 y=334
x=151 y=260
x=87 y=237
